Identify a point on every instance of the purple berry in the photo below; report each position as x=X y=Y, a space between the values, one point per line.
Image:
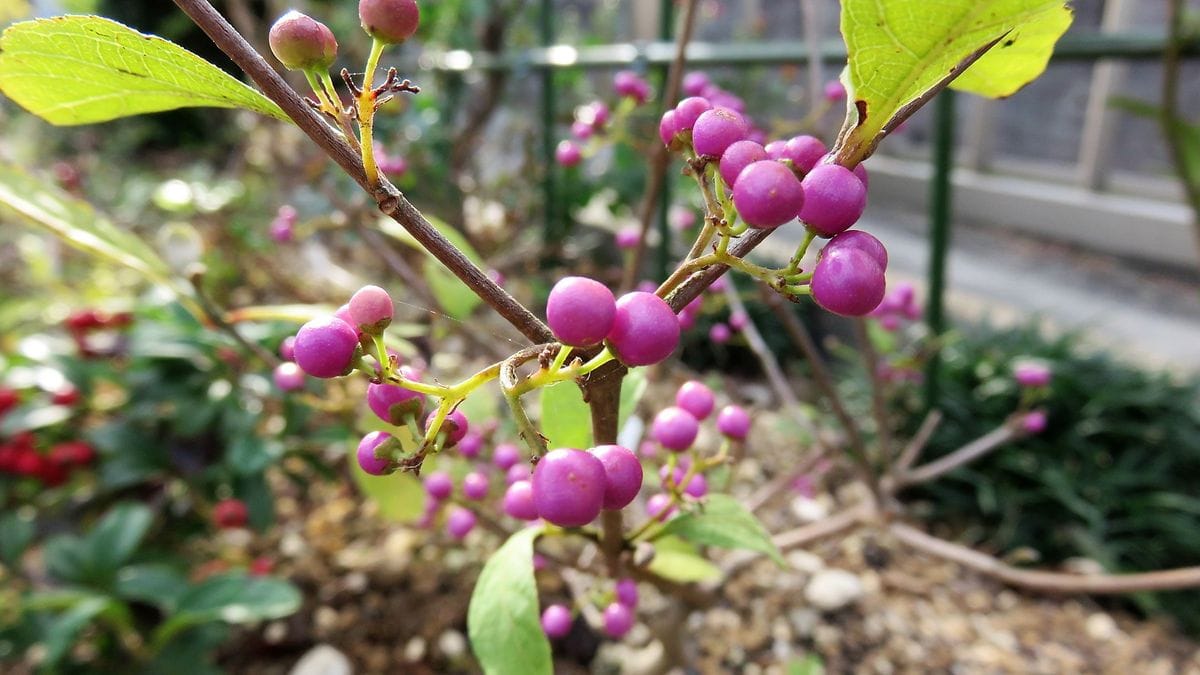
x=697 y=486
x=389 y=21
x=556 y=622
x=719 y=333
x=622 y=475
x=860 y=170
x=287 y=348
x=689 y=110
x=505 y=456
x=717 y=129
x=864 y=242
x=568 y=154
x=738 y=156
x=282 y=231
x=659 y=506
x=1034 y=422
x=738 y=320
x=629 y=85
x=695 y=83
x=582 y=130
x=1030 y=374
x=618 y=619
x=681 y=218
x=580 y=311
x=804 y=152
x=302 y=43
x=775 y=149
x=733 y=422
x=516 y=472
x=627 y=592
x=343 y=313
x=568 y=487
x=325 y=347
x=835 y=90
x=675 y=428
x=288 y=377
x=460 y=522
x=439 y=485
x=454 y=427
x=644 y=331
x=696 y=398
x=767 y=194
x=394 y=404
x=668 y=127
x=848 y=281
x=471 y=445
x=475 y=486
x=370 y=309
x=834 y=199
x=628 y=238
x=598 y=115
x=367 y=459
x=518 y=501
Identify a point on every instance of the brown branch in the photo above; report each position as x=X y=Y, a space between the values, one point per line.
x=913 y=450
x=784 y=482
x=389 y=199
x=835 y=524
x=658 y=163
x=1046 y=582
x=765 y=357
x=964 y=455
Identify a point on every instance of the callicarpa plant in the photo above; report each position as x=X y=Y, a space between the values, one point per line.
x=560 y=498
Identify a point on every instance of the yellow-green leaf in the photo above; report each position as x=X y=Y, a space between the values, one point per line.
x=566 y=419
x=900 y=52
x=503 y=619
x=84 y=69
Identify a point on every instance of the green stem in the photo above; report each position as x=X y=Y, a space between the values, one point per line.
x=366 y=112
x=794 y=264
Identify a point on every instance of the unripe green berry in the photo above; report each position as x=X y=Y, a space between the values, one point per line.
x=389 y=21
x=302 y=43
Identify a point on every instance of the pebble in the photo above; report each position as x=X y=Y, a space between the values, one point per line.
x=809 y=510
x=803 y=561
x=452 y=644
x=1101 y=626
x=414 y=650
x=322 y=660
x=832 y=589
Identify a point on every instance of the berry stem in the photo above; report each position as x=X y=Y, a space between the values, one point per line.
x=366 y=112
x=559 y=359
x=336 y=111
x=793 y=267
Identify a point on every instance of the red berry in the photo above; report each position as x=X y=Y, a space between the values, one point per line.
x=230 y=513
x=302 y=43
x=390 y=21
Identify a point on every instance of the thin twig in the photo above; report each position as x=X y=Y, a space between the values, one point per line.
x=913 y=450
x=389 y=199
x=657 y=174
x=769 y=363
x=964 y=455
x=1046 y=582
x=827 y=527
x=883 y=428
x=217 y=318
x=784 y=482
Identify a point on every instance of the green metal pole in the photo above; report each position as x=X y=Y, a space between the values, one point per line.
x=662 y=258
x=940 y=195
x=551 y=227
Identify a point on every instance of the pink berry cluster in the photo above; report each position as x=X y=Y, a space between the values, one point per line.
x=898 y=307
x=1033 y=377
x=394 y=166
x=283 y=226
x=773 y=183
x=639 y=328
x=618 y=615
x=596 y=120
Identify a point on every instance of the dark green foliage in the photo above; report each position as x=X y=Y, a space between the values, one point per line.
x=1113 y=478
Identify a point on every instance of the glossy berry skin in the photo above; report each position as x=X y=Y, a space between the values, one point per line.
x=439 y=485
x=568 y=487
x=695 y=83
x=848 y=281
x=675 y=428
x=568 y=154
x=394 y=404
x=697 y=487
x=804 y=152
x=696 y=398
x=733 y=422
x=302 y=43
x=518 y=501
x=367 y=458
x=460 y=522
x=370 y=309
x=775 y=149
x=1031 y=374
x=622 y=475
x=556 y=621
x=767 y=194
x=834 y=199
x=389 y=21
x=627 y=592
x=288 y=377
x=505 y=456
x=737 y=157
x=689 y=110
x=287 y=348
x=860 y=240
x=659 y=506
x=230 y=514
x=644 y=331
x=470 y=445
x=668 y=128
x=325 y=347
x=717 y=129
x=580 y=311
x=516 y=472
x=618 y=619
x=475 y=486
